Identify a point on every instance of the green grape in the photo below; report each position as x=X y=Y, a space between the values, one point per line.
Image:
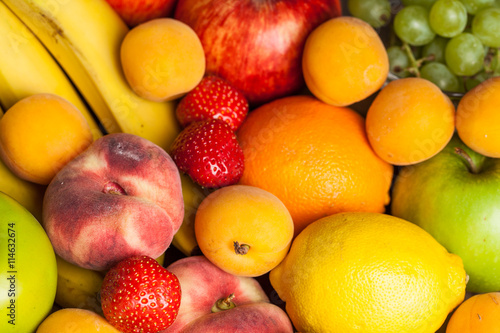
x=464 y=54
x=440 y=75
x=411 y=25
x=398 y=61
x=473 y=6
x=425 y=3
x=448 y=18
x=486 y=26
x=473 y=81
x=377 y=13
x=435 y=49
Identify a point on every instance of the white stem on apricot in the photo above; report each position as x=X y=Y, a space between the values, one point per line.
x=224 y=304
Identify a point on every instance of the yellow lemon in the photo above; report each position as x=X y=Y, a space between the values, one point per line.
x=368 y=272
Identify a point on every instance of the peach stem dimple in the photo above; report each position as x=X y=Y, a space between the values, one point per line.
x=113 y=188
x=224 y=304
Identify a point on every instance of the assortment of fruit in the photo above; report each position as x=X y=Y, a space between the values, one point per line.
x=249 y=166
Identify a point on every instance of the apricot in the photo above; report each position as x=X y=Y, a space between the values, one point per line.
x=478 y=314
x=478 y=118
x=162 y=59
x=40 y=134
x=344 y=61
x=410 y=121
x=72 y=320
x=244 y=230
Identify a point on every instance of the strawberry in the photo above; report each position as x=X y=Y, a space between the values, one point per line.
x=213 y=97
x=140 y=295
x=209 y=152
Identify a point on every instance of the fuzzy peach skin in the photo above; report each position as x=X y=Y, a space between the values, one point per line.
x=203 y=283
x=120 y=197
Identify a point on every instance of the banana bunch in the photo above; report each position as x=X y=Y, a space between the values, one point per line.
x=27 y=68
x=71 y=48
x=85 y=37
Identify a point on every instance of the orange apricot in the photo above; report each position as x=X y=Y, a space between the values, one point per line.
x=71 y=320
x=478 y=314
x=244 y=230
x=162 y=59
x=409 y=121
x=478 y=118
x=40 y=134
x=344 y=61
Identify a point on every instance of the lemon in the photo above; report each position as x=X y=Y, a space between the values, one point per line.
x=368 y=272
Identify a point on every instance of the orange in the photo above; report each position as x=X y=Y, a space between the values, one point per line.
x=478 y=314
x=40 y=134
x=344 y=61
x=410 y=121
x=244 y=230
x=314 y=157
x=478 y=118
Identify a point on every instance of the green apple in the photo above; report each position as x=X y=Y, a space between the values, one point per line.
x=28 y=269
x=455 y=196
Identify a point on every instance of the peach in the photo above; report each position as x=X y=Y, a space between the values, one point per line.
x=40 y=134
x=73 y=320
x=243 y=229
x=205 y=287
x=162 y=59
x=120 y=197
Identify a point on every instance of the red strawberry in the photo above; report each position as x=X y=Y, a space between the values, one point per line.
x=209 y=153
x=213 y=97
x=140 y=295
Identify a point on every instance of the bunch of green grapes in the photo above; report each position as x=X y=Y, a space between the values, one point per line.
x=453 y=43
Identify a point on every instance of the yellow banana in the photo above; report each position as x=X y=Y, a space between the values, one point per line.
x=185 y=239
x=27 y=68
x=85 y=37
x=78 y=287
x=28 y=194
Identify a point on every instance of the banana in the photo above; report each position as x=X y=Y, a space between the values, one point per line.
x=29 y=195
x=27 y=68
x=78 y=287
x=193 y=194
x=85 y=38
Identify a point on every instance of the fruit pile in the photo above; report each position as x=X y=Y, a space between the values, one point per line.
x=453 y=43
x=249 y=166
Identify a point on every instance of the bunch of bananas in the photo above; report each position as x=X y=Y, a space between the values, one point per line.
x=71 y=48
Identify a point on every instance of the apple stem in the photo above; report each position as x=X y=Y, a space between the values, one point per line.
x=471 y=165
x=241 y=248
x=224 y=304
x=113 y=188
